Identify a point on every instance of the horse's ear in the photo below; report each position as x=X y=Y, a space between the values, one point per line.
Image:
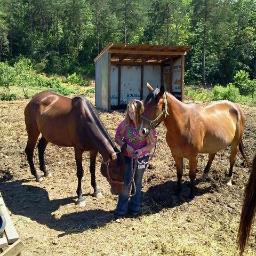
x=150 y=88
x=160 y=94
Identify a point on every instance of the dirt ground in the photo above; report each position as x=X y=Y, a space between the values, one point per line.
x=50 y=223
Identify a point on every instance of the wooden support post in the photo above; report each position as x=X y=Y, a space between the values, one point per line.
x=10 y=230
x=10 y=244
x=14 y=249
x=141 y=81
x=119 y=85
x=182 y=77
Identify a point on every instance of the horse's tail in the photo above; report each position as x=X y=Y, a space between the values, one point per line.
x=248 y=210
x=242 y=151
x=241 y=124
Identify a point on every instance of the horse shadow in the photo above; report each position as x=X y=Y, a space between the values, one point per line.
x=164 y=195
x=34 y=203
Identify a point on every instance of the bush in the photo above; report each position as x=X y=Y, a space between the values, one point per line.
x=226 y=93
x=243 y=83
x=7 y=95
x=198 y=94
x=7 y=75
x=23 y=65
x=75 y=79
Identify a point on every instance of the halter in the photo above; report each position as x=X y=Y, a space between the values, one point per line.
x=109 y=177
x=155 y=122
x=115 y=182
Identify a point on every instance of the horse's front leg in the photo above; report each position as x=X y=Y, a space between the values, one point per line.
x=192 y=174
x=179 y=167
x=41 y=149
x=96 y=190
x=79 y=173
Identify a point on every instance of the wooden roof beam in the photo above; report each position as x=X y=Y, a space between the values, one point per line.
x=147 y=53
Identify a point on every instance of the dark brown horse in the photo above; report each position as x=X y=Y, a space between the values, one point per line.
x=71 y=123
x=192 y=129
x=248 y=210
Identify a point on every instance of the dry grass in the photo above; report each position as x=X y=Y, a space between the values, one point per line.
x=51 y=224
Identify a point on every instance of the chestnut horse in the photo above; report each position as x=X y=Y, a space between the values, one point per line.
x=192 y=129
x=71 y=123
x=248 y=209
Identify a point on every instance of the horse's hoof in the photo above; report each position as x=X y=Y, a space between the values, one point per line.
x=204 y=177
x=39 y=179
x=229 y=183
x=48 y=174
x=81 y=202
x=97 y=195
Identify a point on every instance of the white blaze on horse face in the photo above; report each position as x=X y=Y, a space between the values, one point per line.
x=150 y=88
x=52 y=98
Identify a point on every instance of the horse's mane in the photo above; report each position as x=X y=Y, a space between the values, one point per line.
x=99 y=123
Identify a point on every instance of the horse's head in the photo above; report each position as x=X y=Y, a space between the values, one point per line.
x=155 y=108
x=113 y=170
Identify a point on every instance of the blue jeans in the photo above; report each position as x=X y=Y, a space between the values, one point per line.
x=132 y=204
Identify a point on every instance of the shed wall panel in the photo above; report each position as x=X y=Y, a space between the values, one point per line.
x=130 y=83
x=114 y=85
x=152 y=75
x=177 y=78
x=101 y=82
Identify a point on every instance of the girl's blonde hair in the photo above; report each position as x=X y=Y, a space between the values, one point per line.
x=137 y=107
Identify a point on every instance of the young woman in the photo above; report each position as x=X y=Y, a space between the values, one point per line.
x=138 y=148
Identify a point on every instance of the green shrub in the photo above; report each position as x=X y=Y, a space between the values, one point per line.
x=198 y=94
x=23 y=65
x=75 y=79
x=226 y=93
x=7 y=95
x=91 y=90
x=243 y=83
x=7 y=75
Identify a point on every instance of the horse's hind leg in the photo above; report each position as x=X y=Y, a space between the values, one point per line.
x=41 y=149
x=232 y=158
x=29 y=150
x=79 y=173
x=208 y=166
x=96 y=189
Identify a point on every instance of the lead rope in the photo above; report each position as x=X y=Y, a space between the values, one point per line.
x=134 y=162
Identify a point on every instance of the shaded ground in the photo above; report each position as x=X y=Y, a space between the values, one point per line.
x=51 y=224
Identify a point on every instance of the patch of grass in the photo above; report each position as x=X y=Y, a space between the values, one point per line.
x=22 y=81
x=197 y=94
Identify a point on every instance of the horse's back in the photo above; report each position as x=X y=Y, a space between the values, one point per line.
x=51 y=114
x=224 y=125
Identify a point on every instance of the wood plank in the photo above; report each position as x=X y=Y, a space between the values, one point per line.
x=14 y=249
x=3 y=241
x=10 y=230
x=147 y=53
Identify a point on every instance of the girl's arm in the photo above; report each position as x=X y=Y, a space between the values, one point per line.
x=120 y=137
x=151 y=142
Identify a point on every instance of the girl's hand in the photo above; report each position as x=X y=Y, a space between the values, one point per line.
x=129 y=150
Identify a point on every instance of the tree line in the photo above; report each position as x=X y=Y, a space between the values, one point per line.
x=64 y=36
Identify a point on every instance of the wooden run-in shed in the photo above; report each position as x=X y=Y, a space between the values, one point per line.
x=122 y=72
